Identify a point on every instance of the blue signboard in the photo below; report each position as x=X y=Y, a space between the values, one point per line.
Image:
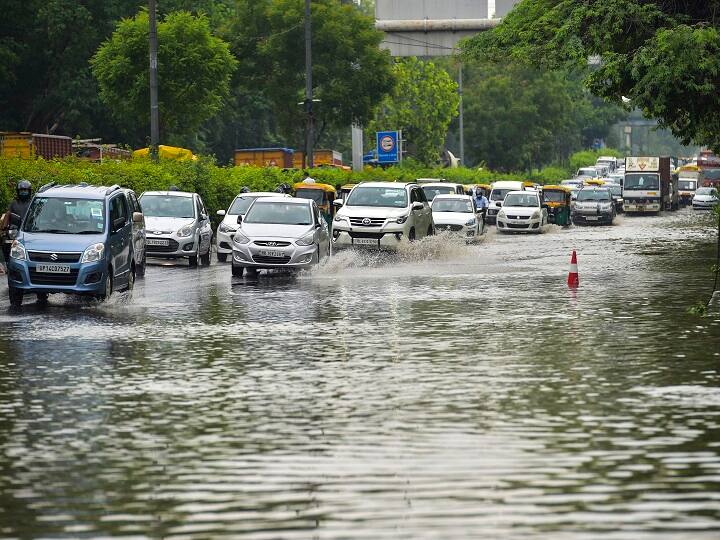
x=387 y=147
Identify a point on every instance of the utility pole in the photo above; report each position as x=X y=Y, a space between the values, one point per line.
x=461 y=118
x=154 y=109
x=309 y=131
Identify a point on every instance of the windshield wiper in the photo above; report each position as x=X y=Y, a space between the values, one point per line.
x=89 y=232
x=52 y=231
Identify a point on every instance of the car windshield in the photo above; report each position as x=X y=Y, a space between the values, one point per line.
x=240 y=205
x=687 y=185
x=521 y=199
x=167 y=206
x=588 y=171
x=705 y=191
x=65 y=216
x=641 y=181
x=453 y=205
x=278 y=213
x=316 y=195
x=615 y=190
x=499 y=194
x=386 y=197
x=433 y=191
x=554 y=196
x=593 y=195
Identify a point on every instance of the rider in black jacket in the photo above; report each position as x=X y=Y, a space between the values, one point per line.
x=16 y=212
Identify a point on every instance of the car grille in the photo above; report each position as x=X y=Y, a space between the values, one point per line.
x=170 y=248
x=455 y=228
x=518 y=217
x=37 y=278
x=516 y=226
x=271 y=260
x=271 y=243
x=38 y=256
x=376 y=236
x=374 y=222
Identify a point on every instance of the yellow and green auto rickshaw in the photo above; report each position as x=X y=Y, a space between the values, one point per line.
x=345 y=191
x=322 y=194
x=595 y=182
x=558 y=200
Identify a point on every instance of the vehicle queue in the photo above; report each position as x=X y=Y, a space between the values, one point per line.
x=92 y=241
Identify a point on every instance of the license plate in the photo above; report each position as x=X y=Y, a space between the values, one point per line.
x=157 y=242
x=272 y=254
x=53 y=268
x=365 y=241
x=591 y=218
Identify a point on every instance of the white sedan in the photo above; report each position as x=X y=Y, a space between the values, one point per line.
x=457 y=213
x=522 y=211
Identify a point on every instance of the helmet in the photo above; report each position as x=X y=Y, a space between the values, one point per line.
x=245 y=189
x=24 y=190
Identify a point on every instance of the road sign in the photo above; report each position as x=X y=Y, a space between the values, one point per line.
x=387 y=147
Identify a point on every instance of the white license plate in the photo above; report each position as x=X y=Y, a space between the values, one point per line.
x=157 y=242
x=591 y=218
x=272 y=254
x=365 y=241
x=53 y=268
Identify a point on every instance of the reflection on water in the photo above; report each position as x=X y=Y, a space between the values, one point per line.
x=448 y=391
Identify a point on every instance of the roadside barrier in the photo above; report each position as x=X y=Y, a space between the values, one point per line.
x=573 y=279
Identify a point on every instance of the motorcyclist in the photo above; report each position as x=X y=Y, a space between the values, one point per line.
x=481 y=201
x=15 y=213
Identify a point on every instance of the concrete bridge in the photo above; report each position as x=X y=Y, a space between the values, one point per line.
x=429 y=28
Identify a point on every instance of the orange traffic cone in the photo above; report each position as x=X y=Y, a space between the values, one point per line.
x=573 y=277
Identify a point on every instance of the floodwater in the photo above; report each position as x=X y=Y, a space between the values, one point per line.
x=451 y=392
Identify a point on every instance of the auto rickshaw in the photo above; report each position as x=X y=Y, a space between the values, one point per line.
x=557 y=199
x=345 y=191
x=595 y=182
x=322 y=194
x=470 y=188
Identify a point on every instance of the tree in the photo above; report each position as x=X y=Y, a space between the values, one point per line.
x=662 y=56
x=351 y=74
x=423 y=103
x=194 y=71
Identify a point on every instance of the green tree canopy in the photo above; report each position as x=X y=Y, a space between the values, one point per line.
x=423 y=104
x=194 y=72
x=663 y=56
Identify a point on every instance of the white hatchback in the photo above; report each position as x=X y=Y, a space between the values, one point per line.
x=522 y=211
x=458 y=213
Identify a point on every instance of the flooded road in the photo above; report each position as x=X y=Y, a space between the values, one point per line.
x=454 y=392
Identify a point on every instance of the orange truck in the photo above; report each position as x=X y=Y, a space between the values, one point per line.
x=264 y=157
x=30 y=145
x=322 y=158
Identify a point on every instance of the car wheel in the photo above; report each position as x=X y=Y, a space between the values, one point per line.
x=105 y=295
x=206 y=259
x=193 y=259
x=222 y=257
x=42 y=299
x=238 y=271
x=411 y=235
x=131 y=280
x=16 y=296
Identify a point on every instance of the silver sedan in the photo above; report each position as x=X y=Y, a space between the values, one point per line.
x=278 y=232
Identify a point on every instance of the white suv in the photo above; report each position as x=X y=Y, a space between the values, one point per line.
x=382 y=215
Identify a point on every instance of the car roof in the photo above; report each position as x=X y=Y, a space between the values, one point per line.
x=169 y=193
x=287 y=200
x=440 y=184
x=523 y=192
x=504 y=184
x=78 y=191
x=262 y=194
x=386 y=184
x=453 y=196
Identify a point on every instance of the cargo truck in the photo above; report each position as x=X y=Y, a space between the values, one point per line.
x=649 y=185
x=321 y=158
x=264 y=157
x=29 y=145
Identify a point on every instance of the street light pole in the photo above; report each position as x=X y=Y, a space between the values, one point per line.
x=461 y=118
x=154 y=109
x=309 y=135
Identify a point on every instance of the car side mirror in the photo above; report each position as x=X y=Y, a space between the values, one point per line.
x=499 y=203
x=137 y=217
x=417 y=206
x=204 y=217
x=239 y=220
x=220 y=213
x=337 y=203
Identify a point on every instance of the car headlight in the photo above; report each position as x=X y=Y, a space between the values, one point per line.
x=93 y=254
x=226 y=228
x=186 y=231
x=470 y=222
x=501 y=214
x=402 y=219
x=306 y=240
x=339 y=218
x=240 y=238
x=17 y=251
x=536 y=215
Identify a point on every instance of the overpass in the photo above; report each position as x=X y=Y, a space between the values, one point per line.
x=428 y=28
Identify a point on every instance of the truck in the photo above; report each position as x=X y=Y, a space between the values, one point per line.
x=649 y=186
x=321 y=158
x=30 y=145
x=265 y=157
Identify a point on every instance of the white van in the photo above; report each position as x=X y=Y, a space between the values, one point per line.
x=497 y=195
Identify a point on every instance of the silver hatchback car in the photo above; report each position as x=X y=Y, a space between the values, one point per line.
x=278 y=232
